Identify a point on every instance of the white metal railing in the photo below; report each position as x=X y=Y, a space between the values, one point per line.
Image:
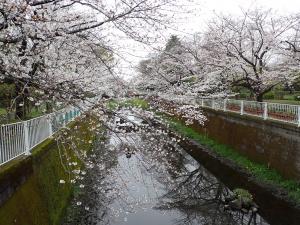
x=265 y=110
x=20 y=138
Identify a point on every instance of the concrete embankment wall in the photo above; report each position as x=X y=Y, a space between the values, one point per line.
x=30 y=188
x=273 y=143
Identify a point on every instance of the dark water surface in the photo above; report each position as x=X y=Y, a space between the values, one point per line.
x=141 y=178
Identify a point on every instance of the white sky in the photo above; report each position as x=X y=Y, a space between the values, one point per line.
x=204 y=10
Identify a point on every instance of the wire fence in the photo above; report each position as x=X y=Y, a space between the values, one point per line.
x=20 y=138
x=265 y=110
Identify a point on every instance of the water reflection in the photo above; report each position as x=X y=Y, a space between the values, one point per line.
x=146 y=178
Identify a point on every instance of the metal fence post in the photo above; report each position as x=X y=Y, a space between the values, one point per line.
x=213 y=104
x=225 y=102
x=26 y=138
x=50 y=126
x=202 y=102
x=64 y=119
x=265 y=111
x=2 y=150
x=242 y=107
x=298 y=116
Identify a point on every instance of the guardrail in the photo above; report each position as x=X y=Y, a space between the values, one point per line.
x=20 y=138
x=265 y=110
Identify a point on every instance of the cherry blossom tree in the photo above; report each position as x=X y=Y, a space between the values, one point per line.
x=59 y=46
x=246 y=51
x=170 y=72
x=168 y=67
x=291 y=44
x=180 y=72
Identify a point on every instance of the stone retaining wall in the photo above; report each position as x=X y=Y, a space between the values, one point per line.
x=270 y=142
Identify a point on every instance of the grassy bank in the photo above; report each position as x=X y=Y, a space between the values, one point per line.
x=260 y=171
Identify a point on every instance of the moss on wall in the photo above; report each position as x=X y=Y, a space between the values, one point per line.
x=25 y=206
x=42 y=199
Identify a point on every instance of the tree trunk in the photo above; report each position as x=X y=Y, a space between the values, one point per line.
x=49 y=108
x=20 y=112
x=21 y=101
x=259 y=97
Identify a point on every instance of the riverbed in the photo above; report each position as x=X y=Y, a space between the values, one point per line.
x=143 y=177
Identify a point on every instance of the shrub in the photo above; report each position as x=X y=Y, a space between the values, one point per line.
x=297 y=97
x=269 y=95
x=7 y=93
x=243 y=95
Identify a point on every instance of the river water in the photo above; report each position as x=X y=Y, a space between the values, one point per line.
x=145 y=178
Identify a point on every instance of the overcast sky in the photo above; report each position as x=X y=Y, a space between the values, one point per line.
x=204 y=11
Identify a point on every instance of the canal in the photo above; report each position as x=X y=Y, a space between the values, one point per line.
x=143 y=177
